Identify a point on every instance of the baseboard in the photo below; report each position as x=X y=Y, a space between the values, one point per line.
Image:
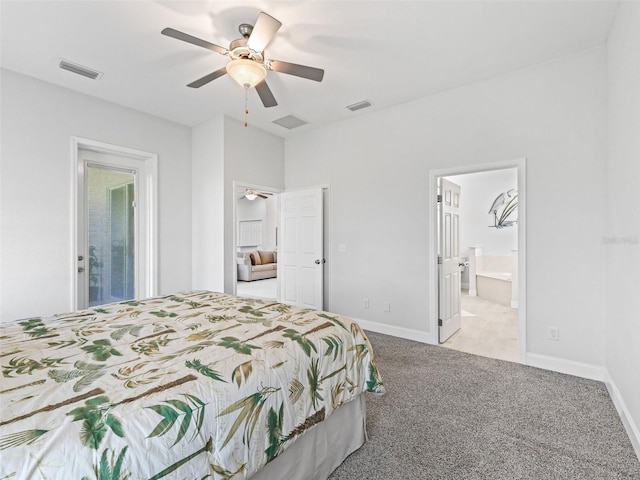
x=629 y=425
x=408 y=333
x=570 y=367
x=593 y=372
x=473 y=293
x=561 y=365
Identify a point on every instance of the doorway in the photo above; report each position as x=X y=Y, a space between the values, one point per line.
x=114 y=224
x=256 y=241
x=490 y=265
x=299 y=241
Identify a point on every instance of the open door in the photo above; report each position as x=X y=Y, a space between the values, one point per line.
x=300 y=253
x=449 y=305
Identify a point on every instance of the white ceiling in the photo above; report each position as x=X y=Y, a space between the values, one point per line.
x=388 y=52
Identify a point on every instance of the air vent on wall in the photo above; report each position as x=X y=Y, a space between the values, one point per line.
x=359 y=105
x=79 y=69
x=289 y=122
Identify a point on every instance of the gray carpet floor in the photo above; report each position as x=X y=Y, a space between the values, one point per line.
x=455 y=416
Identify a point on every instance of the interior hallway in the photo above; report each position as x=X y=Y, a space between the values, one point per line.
x=488 y=329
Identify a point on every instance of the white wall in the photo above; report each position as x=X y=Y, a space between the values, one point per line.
x=622 y=234
x=37 y=123
x=263 y=209
x=478 y=191
x=251 y=210
x=378 y=165
x=207 y=214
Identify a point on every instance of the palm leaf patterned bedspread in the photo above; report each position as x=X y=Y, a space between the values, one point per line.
x=194 y=385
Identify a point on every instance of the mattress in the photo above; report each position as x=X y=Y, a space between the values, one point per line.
x=194 y=385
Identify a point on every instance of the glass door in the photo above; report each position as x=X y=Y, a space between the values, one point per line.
x=110 y=234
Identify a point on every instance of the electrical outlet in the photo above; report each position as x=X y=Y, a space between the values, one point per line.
x=342 y=248
x=554 y=334
x=387 y=306
x=365 y=303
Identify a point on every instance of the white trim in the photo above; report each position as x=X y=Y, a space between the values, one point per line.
x=328 y=251
x=149 y=175
x=570 y=367
x=401 y=332
x=432 y=247
x=554 y=364
x=592 y=372
x=627 y=420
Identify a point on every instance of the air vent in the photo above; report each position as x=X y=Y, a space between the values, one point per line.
x=289 y=122
x=79 y=69
x=359 y=105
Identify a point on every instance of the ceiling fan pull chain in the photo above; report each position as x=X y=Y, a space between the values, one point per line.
x=246 y=107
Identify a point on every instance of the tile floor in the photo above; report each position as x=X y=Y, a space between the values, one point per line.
x=266 y=288
x=488 y=329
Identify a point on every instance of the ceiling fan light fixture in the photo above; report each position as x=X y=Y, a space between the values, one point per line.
x=247 y=73
x=251 y=194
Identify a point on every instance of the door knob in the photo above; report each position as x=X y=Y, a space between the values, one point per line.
x=318 y=261
x=80 y=269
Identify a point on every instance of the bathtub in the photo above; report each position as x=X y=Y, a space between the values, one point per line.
x=494 y=277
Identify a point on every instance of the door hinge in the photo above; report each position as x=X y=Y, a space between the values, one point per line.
x=439 y=260
x=439 y=322
x=439 y=198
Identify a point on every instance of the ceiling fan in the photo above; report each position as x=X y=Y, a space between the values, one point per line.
x=248 y=65
x=252 y=194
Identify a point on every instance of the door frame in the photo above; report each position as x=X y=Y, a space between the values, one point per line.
x=520 y=164
x=244 y=185
x=148 y=174
x=327 y=240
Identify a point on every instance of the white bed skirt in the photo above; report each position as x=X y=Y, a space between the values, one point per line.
x=320 y=450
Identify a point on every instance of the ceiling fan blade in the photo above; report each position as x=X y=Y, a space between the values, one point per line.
x=265 y=28
x=185 y=37
x=264 y=92
x=262 y=196
x=208 y=78
x=303 y=71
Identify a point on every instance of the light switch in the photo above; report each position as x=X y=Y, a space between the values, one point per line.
x=342 y=248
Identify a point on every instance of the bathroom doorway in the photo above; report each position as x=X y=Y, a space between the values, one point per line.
x=491 y=224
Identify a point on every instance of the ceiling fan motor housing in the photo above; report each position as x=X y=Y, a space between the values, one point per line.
x=238 y=49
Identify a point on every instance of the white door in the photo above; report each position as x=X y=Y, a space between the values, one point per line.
x=449 y=305
x=111 y=211
x=300 y=252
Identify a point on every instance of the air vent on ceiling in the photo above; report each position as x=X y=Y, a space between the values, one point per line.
x=289 y=122
x=79 y=69
x=359 y=105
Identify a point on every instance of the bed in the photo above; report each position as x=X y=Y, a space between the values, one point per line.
x=196 y=385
